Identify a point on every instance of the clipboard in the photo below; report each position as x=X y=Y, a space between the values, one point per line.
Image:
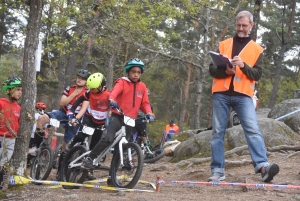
x=219 y=60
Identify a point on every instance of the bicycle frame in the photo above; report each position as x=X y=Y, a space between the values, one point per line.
x=120 y=138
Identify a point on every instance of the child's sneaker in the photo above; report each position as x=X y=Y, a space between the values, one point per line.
x=32 y=151
x=217 y=176
x=88 y=163
x=268 y=172
x=91 y=176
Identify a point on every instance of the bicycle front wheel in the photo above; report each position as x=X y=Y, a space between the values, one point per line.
x=76 y=174
x=127 y=176
x=153 y=155
x=42 y=164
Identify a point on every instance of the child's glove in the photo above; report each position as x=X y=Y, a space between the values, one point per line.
x=150 y=116
x=113 y=104
x=70 y=114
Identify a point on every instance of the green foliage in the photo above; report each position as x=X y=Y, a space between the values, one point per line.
x=10 y=66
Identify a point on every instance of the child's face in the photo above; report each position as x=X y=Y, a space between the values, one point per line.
x=134 y=74
x=17 y=93
x=80 y=81
x=96 y=90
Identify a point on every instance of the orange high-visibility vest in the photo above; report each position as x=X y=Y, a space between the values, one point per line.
x=241 y=82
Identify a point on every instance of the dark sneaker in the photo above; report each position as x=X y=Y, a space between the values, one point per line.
x=109 y=183
x=88 y=163
x=69 y=146
x=217 y=176
x=268 y=172
x=91 y=176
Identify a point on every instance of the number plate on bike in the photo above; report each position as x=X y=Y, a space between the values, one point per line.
x=54 y=122
x=88 y=130
x=129 y=121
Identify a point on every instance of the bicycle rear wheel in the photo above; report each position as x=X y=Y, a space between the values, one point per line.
x=127 y=176
x=56 y=156
x=42 y=164
x=154 y=156
x=76 y=174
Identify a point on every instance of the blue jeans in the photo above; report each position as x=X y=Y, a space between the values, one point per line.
x=243 y=106
x=70 y=131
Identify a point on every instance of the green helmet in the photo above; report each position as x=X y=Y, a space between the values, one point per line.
x=11 y=83
x=134 y=62
x=95 y=80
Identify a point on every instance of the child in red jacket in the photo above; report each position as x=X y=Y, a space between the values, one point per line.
x=130 y=94
x=9 y=122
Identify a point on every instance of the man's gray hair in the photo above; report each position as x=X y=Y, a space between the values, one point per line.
x=245 y=13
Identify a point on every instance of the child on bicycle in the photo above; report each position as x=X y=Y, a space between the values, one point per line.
x=35 y=139
x=129 y=94
x=9 y=122
x=94 y=108
x=70 y=95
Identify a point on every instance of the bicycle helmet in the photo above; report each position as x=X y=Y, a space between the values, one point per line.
x=11 y=83
x=134 y=62
x=95 y=80
x=40 y=105
x=83 y=73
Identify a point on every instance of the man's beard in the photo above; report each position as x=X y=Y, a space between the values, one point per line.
x=242 y=34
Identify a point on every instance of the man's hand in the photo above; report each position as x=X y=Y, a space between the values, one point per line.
x=237 y=61
x=230 y=71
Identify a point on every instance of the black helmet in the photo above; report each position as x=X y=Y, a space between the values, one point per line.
x=84 y=73
x=171 y=121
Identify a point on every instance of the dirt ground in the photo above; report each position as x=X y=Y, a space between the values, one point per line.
x=288 y=175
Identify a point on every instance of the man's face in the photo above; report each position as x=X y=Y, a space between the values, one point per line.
x=243 y=27
x=171 y=124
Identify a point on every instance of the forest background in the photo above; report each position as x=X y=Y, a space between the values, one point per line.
x=172 y=38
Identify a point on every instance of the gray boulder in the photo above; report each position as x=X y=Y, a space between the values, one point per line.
x=275 y=133
x=286 y=107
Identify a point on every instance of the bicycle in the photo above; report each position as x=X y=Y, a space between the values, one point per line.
x=43 y=161
x=126 y=164
x=87 y=130
x=151 y=155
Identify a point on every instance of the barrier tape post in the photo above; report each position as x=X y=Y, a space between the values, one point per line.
x=157 y=184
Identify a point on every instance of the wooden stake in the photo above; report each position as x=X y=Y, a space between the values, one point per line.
x=158 y=184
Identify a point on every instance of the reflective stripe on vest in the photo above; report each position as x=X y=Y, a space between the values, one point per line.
x=241 y=82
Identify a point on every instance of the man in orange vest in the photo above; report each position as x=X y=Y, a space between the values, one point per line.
x=170 y=130
x=234 y=87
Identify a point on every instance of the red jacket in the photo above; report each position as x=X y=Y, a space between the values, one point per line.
x=68 y=91
x=130 y=96
x=10 y=113
x=98 y=106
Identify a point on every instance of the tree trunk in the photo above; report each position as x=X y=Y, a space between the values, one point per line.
x=284 y=42
x=70 y=68
x=256 y=19
x=18 y=162
x=201 y=76
x=185 y=96
x=2 y=32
